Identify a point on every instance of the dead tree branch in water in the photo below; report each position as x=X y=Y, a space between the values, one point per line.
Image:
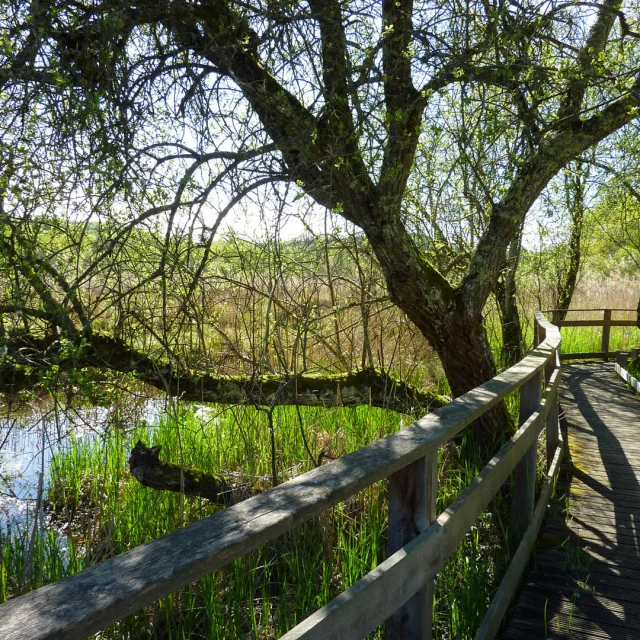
x=147 y=468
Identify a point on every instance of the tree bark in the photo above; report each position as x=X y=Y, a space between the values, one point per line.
x=512 y=348
x=321 y=148
x=439 y=311
x=574 y=187
x=366 y=387
x=467 y=360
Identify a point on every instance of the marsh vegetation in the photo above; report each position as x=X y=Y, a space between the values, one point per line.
x=262 y=235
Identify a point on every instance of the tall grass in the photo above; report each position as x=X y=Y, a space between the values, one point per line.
x=99 y=510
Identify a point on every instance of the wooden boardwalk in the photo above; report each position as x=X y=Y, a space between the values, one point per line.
x=585 y=576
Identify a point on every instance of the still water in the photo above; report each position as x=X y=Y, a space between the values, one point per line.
x=29 y=437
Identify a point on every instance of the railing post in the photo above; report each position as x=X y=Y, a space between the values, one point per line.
x=552 y=425
x=524 y=475
x=622 y=359
x=412 y=508
x=540 y=334
x=606 y=332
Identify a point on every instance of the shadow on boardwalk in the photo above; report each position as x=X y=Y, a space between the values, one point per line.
x=585 y=578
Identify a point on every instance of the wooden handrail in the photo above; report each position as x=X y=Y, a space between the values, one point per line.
x=585 y=310
x=360 y=609
x=621 y=369
x=606 y=323
x=96 y=597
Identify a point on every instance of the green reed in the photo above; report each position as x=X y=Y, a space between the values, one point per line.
x=99 y=510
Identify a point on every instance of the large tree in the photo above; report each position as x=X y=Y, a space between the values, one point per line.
x=340 y=100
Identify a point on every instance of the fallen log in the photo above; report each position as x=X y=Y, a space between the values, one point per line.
x=30 y=358
x=147 y=468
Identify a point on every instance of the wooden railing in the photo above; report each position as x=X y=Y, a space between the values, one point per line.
x=606 y=323
x=621 y=367
x=398 y=591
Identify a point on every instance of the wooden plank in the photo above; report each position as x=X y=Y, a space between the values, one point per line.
x=585 y=310
x=572 y=620
x=581 y=488
x=625 y=589
x=606 y=332
x=628 y=378
x=604 y=510
x=550 y=585
x=612 y=480
x=553 y=424
x=596 y=323
x=551 y=331
x=539 y=334
x=412 y=508
x=506 y=591
x=591 y=605
x=587 y=355
x=603 y=492
x=587 y=608
x=524 y=476
x=360 y=609
x=79 y=606
x=533 y=630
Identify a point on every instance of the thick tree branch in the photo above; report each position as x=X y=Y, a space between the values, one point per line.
x=325 y=159
x=404 y=104
x=366 y=387
x=531 y=178
x=335 y=70
x=587 y=61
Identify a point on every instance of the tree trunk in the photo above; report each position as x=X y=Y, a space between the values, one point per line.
x=467 y=361
x=512 y=342
x=574 y=188
x=440 y=313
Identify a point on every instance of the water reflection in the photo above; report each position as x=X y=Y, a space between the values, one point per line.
x=31 y=436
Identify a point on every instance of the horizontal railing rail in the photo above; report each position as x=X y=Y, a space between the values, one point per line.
x=400 y=589
x=606 y=322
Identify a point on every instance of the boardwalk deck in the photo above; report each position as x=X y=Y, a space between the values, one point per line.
x=585 y=578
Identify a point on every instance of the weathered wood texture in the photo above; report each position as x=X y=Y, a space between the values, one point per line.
x=634 y=383
x=587 y=310
x=585 y=581
x=606 y=323
x=78 y=606
x=597 y=323
x=412 y=508
x=524 y=482
x=588 y=355
x=508 y=586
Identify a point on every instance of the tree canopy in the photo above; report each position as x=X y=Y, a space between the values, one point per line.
x=433 y=127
